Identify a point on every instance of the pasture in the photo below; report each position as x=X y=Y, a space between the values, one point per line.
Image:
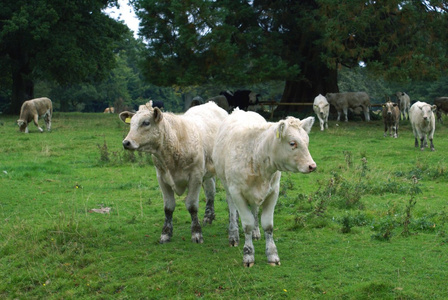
x=370 y=223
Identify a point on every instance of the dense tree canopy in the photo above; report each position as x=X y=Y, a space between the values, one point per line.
x=64 y=41
x=301 y=42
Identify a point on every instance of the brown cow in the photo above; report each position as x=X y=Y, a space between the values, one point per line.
x=442 y=107
x=31 y=111
x=391 y=118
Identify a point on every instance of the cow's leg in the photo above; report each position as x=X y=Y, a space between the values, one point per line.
x=345 y=113
x=321 y=122
x=366 y=113
x=36 y=118
x=169 y=204
x=47 y=119
x=192 y=205
x=385 y=129
x=256 y=235
x=234 y=237
x=247 y=221
x=339 y=115
x=267 y=222
x=209 y=189
x=326 y=122
x=422 y=143
x=395 y=128
x=430 y=137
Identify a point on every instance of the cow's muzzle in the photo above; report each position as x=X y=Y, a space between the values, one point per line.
x=128 y=145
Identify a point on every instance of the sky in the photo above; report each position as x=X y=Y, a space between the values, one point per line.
x=126 y=14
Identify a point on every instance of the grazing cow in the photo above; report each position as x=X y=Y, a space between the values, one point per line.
x=423 y=123
x=221 y=101
x=356 y=101
x=391 y=118
x=181 y=148
x=31 y=111
x=404 y=103
x=249 y=154
x=321 y=109
x=109 y=110
x=442 y=107
x=241 y=98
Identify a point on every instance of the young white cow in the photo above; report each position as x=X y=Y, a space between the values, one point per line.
x=321 y=109
x=31 y=110
x=181 y=148
x=423 y=123
x=249 y=154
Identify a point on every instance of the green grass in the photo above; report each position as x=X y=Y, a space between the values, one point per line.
x=339 y=231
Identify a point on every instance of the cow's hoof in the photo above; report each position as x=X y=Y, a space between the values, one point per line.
x=233 y=242
x=164 y=238
x=275 y=263
x=249 y=265
x=432 y=149
x=208 y=220
x=197 y=238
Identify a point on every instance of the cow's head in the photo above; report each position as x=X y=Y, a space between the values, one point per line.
x=22 y=125
x=144 y=132
x=427 y=111
x=291 y=152
x=388 y=107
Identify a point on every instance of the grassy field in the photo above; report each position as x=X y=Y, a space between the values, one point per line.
x=370 y=223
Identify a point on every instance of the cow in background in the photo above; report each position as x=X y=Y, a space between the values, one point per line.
x=321 y=108
x=404 y=103
x=31 y=111
x=423 y=123
x=442 y=107
x=159 y=104
x=109 y=110
x=391 y=118
x=241 y=98
x=355 y=101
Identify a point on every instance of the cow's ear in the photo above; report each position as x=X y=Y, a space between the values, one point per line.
x=282 y=125
x=434 y=107
x=395 y=104
x=307 y=124
x=126 y=117
x=158 y=115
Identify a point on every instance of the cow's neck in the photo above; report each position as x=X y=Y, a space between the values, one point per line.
x=264 y=150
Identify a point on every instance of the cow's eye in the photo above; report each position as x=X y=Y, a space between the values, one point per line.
x=293 y=144
x=145 y=123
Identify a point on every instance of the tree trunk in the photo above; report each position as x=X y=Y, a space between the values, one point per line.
x=318 y=81
x=22 y=85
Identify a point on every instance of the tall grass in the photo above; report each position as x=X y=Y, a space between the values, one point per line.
x=371 y=222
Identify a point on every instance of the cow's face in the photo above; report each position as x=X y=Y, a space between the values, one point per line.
x=22 y=125
x=427 y=111
x=291 y=150
x=321 y=108
x=144 y=133
x=388 y=107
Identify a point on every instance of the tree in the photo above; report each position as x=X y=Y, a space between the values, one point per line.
x=65 y=41
x=302 y=42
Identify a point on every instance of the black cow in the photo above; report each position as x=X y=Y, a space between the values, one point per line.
x=158 y=104
x=241 y=98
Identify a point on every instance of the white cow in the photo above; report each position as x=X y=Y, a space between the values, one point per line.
x=322 y=109
x=423 y=123
x=404 y=102
x=249 y=154
x=31 y=110
x=181 y=148
x=355 y=101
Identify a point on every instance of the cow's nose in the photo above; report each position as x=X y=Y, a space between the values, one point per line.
x=312 y=167
x=126 y=144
